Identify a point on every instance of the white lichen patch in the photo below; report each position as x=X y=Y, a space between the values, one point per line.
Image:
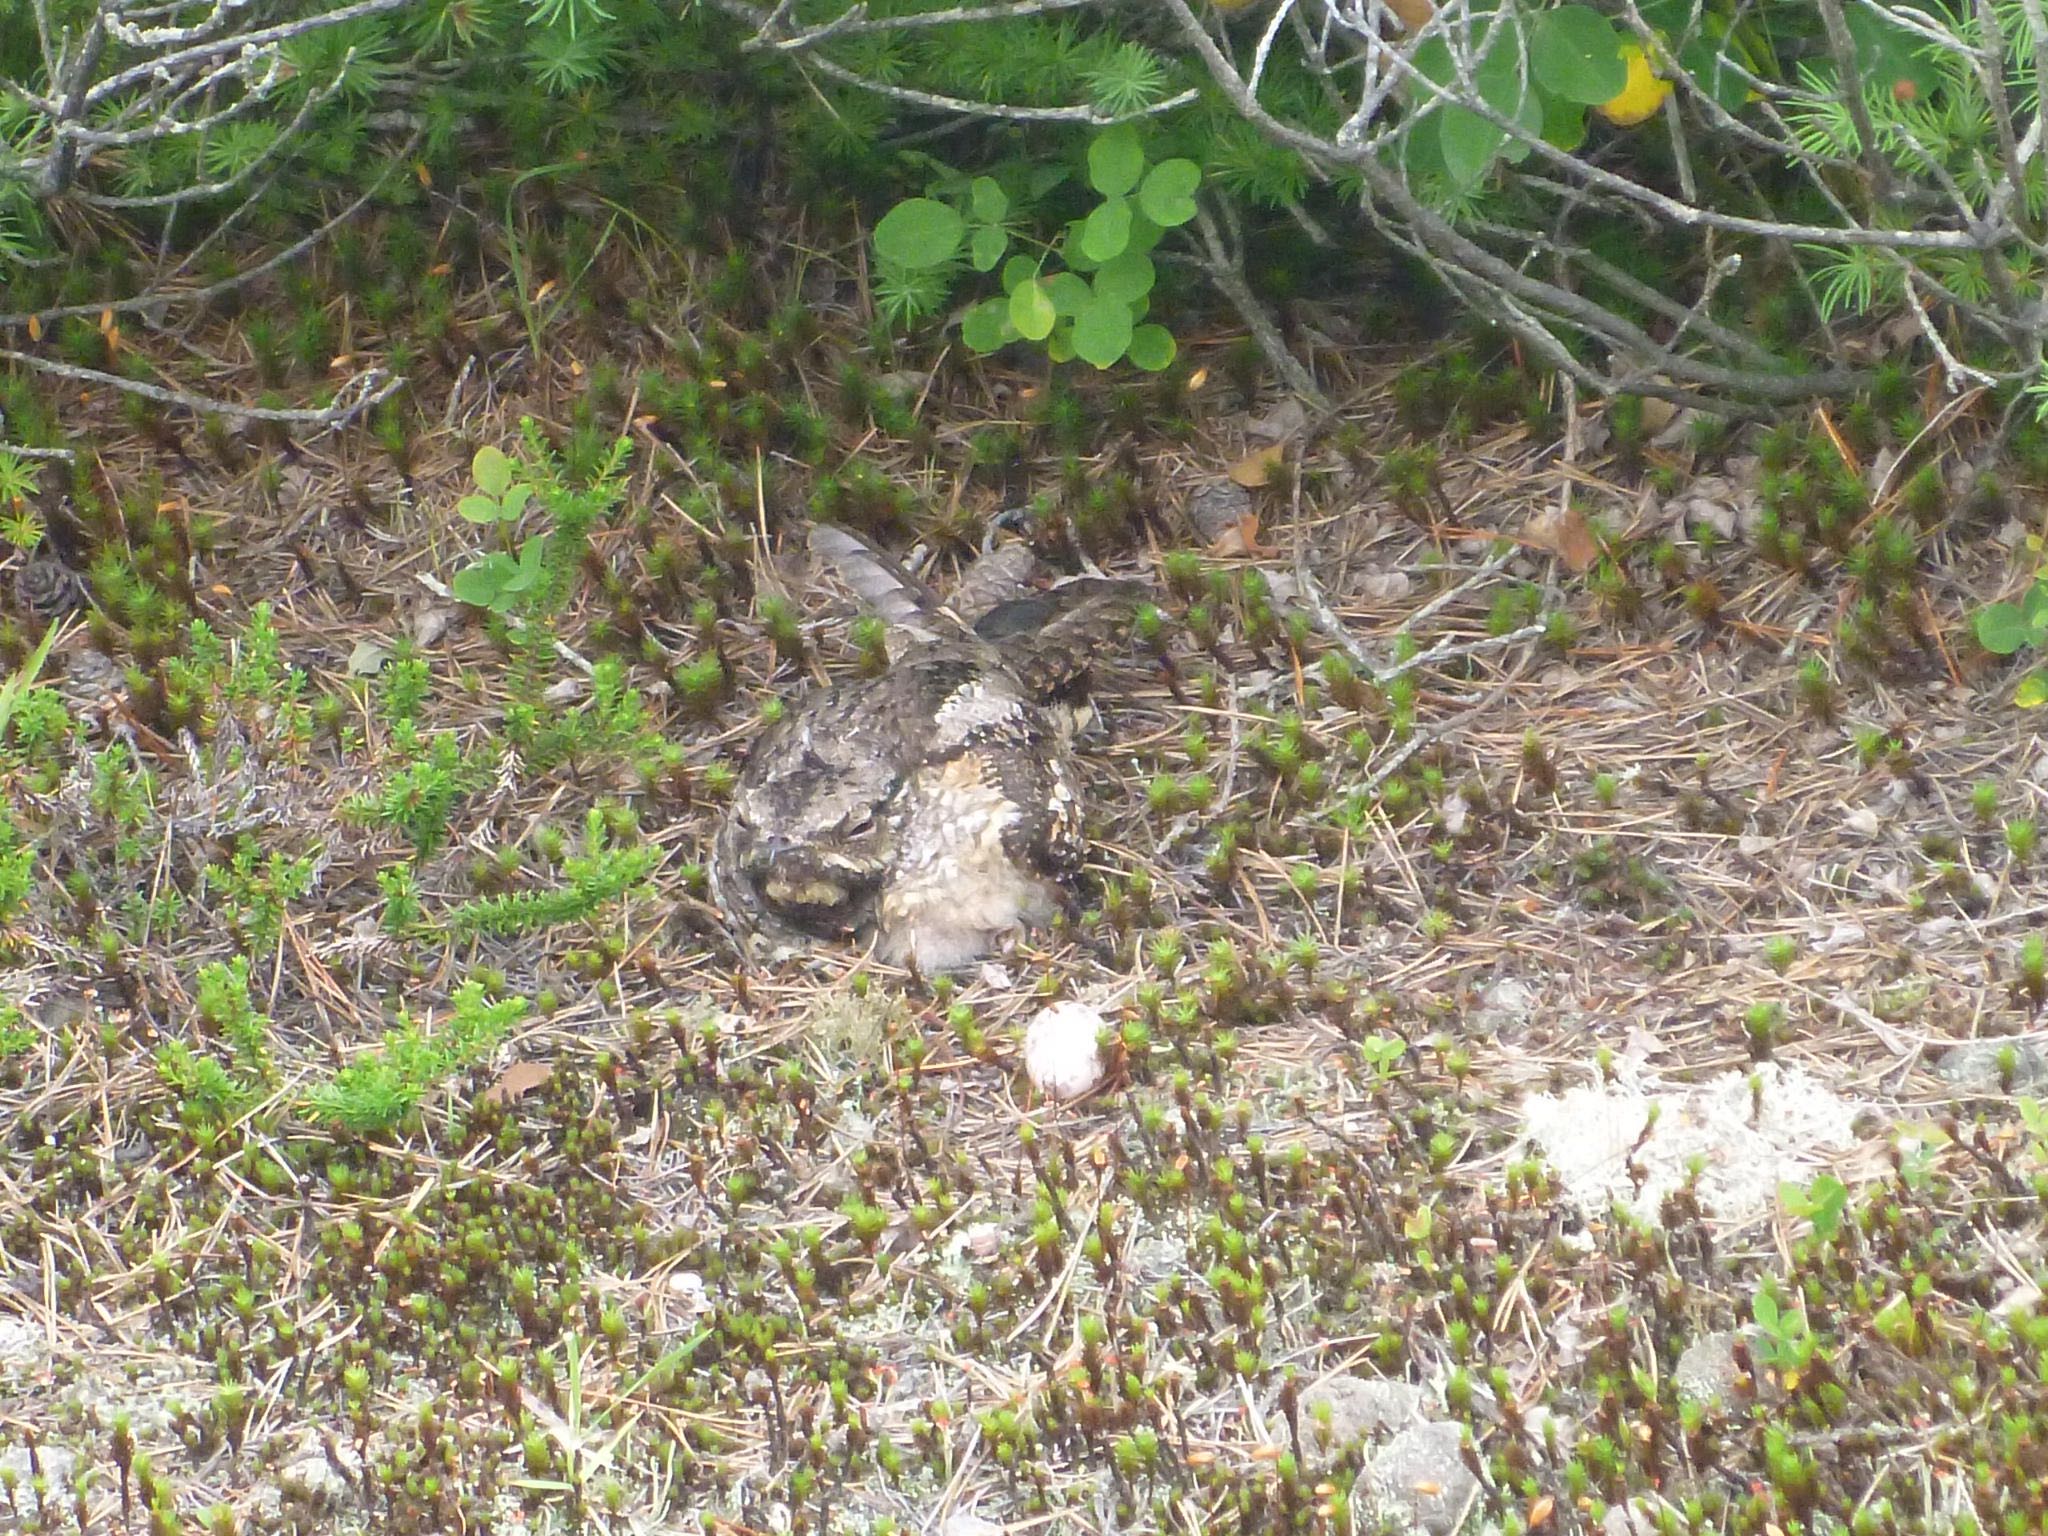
x=1746 y=1138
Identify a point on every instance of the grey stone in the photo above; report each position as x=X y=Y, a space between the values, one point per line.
x=1420 y=1479
x=1340 y=1411
x=1974 y=1066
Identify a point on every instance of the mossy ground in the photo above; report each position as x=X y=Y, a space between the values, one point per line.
x=396 y=1143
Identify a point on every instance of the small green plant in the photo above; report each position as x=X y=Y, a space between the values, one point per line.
x=211 y=1091
x=1092 y=304
x=2005 y=629
x=1783 y=1340
x=535 y=579
x=378 y=1090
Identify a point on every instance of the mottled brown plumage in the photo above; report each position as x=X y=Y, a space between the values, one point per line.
x=933 y=809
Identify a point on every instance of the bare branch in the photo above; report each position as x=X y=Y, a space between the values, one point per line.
x=369 y=388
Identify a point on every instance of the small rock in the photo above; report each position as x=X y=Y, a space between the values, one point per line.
x=983 y=1240
x=1339 y=1411
x=1061 y=1056
x=965 y=1522
x=1863 y=822
x=313 y=1480
x=1216 y=507
x=1981 y=1066
x=1421 y=1478
x=1707 y=1372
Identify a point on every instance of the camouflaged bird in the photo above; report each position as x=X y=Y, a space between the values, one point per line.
x=933 y=809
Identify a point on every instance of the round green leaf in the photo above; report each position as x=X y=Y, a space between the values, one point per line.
x=1031 y=310
x=1068 y=292
x=480 y=509
x=1168 y=196
x=1059 y=346
x=1018 y=269
x=493 y=471
x=483 y=584
x=987 y=246
x=1127 y=278
x=1469 y=144
x=1576 y=54
x=988 y=200
x=986 y=327
x=1144 y=234
x=1107 y=230
x=919 y=232
x=1709 y=67
x=2032 y=692
x=1115 y=160
x=2003 y=629
x=1073 y=252
x=1152 y=347
x=1102 y=331
x=1564 y=123
x=1499 y=76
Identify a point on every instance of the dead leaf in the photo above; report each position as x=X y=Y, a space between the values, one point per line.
x=517 y=1081
x=1657 y=413
x=1563 y=531
x=1240 y=538
x=431 y=623
x=1385 y=586
x=1256 y=469
x=1414 y=14
x=1285 y=419
x=367 y=657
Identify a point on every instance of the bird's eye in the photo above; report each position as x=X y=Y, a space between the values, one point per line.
x=859 y=826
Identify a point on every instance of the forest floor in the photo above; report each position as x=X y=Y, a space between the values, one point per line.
x=1613 y=1031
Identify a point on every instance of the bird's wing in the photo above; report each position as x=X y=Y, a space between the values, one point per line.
x=901 y=601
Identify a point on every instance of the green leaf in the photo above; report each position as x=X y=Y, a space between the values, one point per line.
x=1889 y=57
x=1068 y=292
x=987 y=327
x=1152 y=347
x=919 y=232
x=991 y=204
x=480 y=509
x=2003 y=629
x=1564 y=124
x=493 y=471
x=483 y=584
x=1074 y=252
x=1059 y=346
x=1469 y=144
x=2032 y=692
x=1018 y=269
x=1168 y=196
x=1031 y=310
x=1709 y=67
x=513 y=502
x=1575 y=53
x=1102 y=331
x=1126 y=278
x=1115 y=160
x=987 y=246
x=1107 y=230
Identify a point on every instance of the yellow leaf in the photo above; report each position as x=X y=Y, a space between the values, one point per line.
x=2032 y=692
x=35 y=328
x=1639 y=100
x=1255 y=469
